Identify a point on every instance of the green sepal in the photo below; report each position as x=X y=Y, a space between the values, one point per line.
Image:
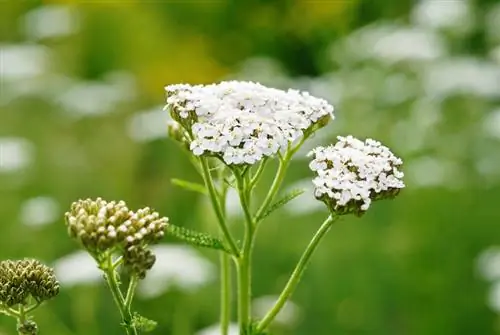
x=143 y=324
x=281 y=202
x=196 y=238
x=190 y=186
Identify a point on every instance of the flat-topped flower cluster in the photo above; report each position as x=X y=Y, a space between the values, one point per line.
x=243 y=122
x=352 y=173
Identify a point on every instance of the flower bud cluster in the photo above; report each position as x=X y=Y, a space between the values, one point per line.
x=26 y=278
x=28 y=327
x=243 y=122
x=110 y=227
x=353 y=173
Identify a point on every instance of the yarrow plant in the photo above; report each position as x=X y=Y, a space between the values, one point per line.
x=25 y=285
x=231 y=130
x=118 y=239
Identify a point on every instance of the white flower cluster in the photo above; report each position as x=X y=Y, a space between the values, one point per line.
x=352 y=173
x=244 y=121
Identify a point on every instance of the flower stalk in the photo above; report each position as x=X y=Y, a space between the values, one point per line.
x=297 y=273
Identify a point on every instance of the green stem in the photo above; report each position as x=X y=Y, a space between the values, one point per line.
x=217 y=207
x=32 y=307
x=131 y=291
x=8 y=311
x=225 y=268
x=245 y=261
x=225 y=293
x=297 y=274
x=258 y=173
x=112 y=281
x=278 y=179
x=275 y=186
x=21 y=319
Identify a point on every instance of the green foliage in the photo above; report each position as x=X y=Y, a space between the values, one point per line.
x=196 y=238
x=281 y=202
x=143 y=324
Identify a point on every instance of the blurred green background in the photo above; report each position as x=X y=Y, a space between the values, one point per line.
x=81 y=94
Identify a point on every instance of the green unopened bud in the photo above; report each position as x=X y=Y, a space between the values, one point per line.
x=100 y=225
x=93 y=222
x=24 y=278
x=138 y=260
x=28 y=327
x=147 y=226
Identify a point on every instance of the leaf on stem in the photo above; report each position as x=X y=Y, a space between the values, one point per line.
x=196 y=238
x=190 y=186
x=143 y=324
x=280 y=203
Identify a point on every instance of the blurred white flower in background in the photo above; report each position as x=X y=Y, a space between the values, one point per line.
x=178 y=266
x=22 y=61
x=288 y=315
x=390 y=43
x=97 y=97
x=428 y=171
x=494 y=297
x=454 y=14
x=215 y=330
x=488 y=263
x=15 y=153
x=329 y=86
x=148 y=125
x=50 y=22
x=306 y=203
x=77 y=268
x=233 y=207
x=39 y=211
x=462 y=76
x=265 y=70
x=488 y=266
x=491 y=123
x=495 y=55
x=410 y=135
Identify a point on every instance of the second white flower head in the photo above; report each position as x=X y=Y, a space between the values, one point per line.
x=352 y=173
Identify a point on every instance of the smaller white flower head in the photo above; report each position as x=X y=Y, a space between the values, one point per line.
x=243 y=122
x=352 y=173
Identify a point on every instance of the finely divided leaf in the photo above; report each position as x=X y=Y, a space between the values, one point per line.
x=281 y=202
x=195 y=238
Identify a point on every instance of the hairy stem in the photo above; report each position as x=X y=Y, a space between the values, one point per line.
x=131 y=291
x=294 y=279
x=275 y=186
x=245 y=261
x=258 y=173
x=209 y=183
x=225 y=271
x=112 y=281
